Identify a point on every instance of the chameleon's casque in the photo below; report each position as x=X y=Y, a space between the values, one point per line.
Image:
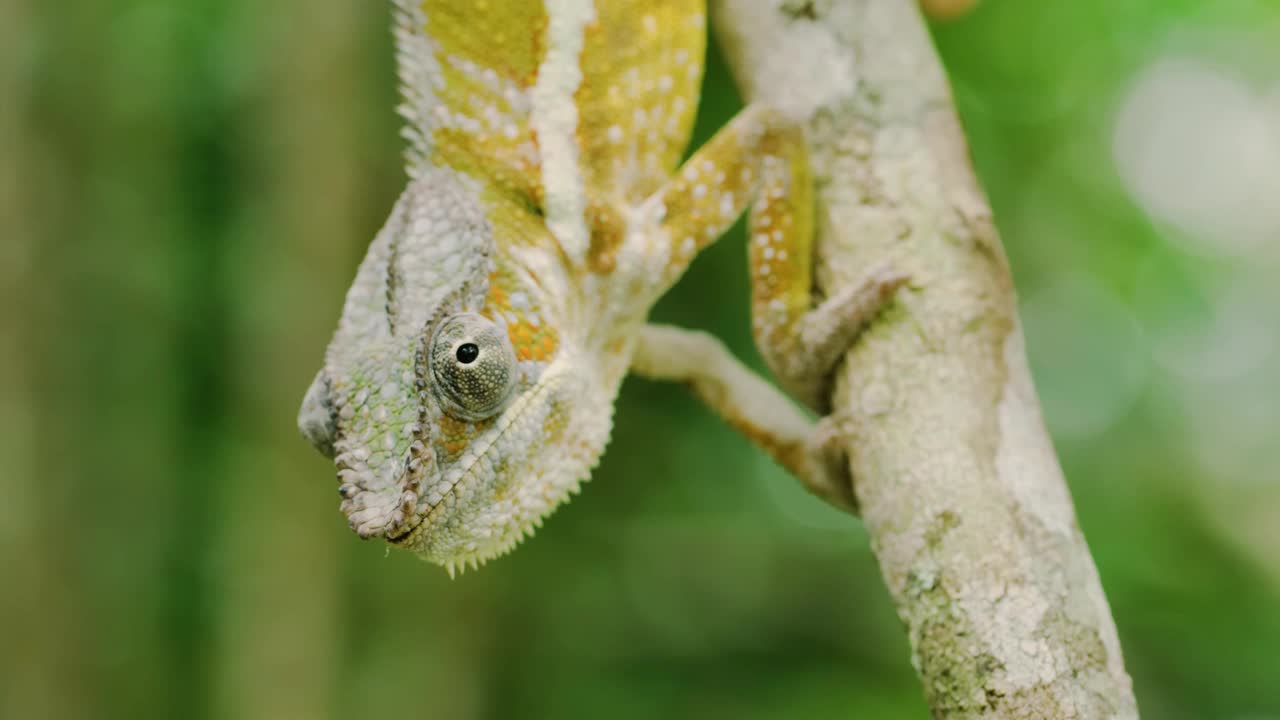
x=470 y=384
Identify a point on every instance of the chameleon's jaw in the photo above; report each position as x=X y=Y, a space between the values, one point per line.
x=424 y=481
x=509 y=478
x=434 y=536
x=469 y=518
x=400 y=536
x=443 y=538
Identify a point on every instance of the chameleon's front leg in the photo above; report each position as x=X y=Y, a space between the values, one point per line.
x=760 y=157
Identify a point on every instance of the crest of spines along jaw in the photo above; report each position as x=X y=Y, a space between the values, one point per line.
x=420 y=458
x=417 y=464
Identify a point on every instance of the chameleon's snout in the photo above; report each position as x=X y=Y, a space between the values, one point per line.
x=317 y=419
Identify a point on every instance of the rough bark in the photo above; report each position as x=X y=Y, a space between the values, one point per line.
x=958 y=482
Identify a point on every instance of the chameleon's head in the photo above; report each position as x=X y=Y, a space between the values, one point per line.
x=448 y=432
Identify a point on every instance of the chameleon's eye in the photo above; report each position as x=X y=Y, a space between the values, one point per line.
x=472 y=365
x=467 y=353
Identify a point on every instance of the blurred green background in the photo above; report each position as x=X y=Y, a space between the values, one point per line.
x=186 y=188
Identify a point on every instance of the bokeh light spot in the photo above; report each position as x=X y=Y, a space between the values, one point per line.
x=1200 y=332
x=1087 y=354
x=1199 y=148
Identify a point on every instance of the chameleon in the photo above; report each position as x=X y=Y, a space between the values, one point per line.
x=469 y=387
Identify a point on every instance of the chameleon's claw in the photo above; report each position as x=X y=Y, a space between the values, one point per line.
x=805 y=358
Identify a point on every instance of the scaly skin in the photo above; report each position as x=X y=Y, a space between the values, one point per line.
x=470 y=385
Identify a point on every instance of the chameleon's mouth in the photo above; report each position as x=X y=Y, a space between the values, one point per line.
x=404 y=534
x=400 y=538
x=407 y=534
x=400 y=532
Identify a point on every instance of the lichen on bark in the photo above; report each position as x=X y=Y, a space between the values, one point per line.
x=959 y=486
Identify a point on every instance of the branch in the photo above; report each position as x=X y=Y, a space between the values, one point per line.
x=959 y=486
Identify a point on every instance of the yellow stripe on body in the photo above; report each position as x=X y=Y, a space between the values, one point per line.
x=485 y=56
x=642 y=70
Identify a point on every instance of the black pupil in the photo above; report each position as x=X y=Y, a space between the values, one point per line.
x=467 y=353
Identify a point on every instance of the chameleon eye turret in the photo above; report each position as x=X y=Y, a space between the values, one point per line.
x=473 y=367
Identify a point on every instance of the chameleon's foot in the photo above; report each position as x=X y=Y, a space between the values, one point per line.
x=805 y=358
x=830 y=478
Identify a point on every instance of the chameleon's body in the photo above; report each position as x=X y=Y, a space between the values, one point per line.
x=469 y=388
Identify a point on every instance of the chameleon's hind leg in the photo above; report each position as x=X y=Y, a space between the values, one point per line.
x=759 y=157
x=749 y=404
